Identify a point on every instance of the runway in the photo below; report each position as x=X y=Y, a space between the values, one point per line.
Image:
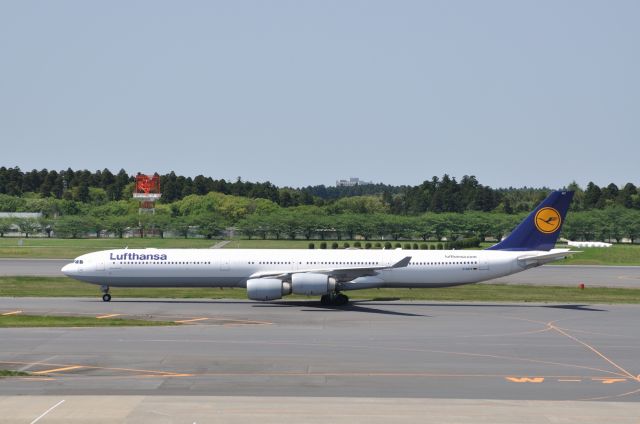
x=32 y=267
x=573 y=275
x=372 y=349
x=552 y=275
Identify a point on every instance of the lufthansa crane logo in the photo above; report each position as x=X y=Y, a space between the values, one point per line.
x=547 y=220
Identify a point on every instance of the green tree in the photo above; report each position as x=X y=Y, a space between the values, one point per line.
x=46 y=225
x=118 y=224
x=349 y=224
x=82 y=193
x=70 y=226
x=5 y=225
x=160 y=222
x=27 y=226
x=182 y=225
x=209 y=225
x=630 y=224
x=423 y=227
x=358 y=205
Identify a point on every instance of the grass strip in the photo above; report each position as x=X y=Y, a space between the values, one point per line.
x=66 y=287
x=11 y=373
x=12 y=321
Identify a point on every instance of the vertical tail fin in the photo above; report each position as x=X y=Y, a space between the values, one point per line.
x=539 y=230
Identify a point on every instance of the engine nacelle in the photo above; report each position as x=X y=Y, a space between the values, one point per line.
x=267 y=289
x=312 y=284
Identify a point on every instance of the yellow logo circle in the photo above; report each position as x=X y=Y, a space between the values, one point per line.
x=547 y=220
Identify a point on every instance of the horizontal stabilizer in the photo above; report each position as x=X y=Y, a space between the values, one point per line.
x=554 y=255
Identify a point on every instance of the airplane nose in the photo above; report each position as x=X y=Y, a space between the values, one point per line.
x=69 y=269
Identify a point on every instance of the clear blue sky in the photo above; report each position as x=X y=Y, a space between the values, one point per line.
x=535 y=93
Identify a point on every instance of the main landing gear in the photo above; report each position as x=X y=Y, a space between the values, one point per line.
x=106 y=297
x=334 y=299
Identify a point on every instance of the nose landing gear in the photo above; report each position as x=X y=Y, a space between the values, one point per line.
x=106 y=297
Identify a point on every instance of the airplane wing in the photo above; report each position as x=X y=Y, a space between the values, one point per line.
x=553 y=255
x=339 y=273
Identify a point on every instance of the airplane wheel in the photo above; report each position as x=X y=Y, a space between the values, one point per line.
x=106 y=297
x=341 y=299
x=325 y=300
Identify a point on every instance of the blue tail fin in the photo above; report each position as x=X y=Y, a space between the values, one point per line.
x=539 y=230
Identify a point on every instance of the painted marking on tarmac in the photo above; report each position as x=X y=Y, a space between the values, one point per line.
x=47 y=411
x=74 y=367
x=621 y=395
x=12 y=313
x=525 y=379
x=43 y=362
x=184 y=321
x=603 y=380
x=593 y=349
x=610 y=380
x=108 y=316
x=134 y=372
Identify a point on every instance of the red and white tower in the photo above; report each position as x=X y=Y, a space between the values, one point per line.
x=147 y=192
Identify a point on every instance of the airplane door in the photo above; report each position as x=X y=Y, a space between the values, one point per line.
x=100 y=266
x=483 y=265
x=224 y=264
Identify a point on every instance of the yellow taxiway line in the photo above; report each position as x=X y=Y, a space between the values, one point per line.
x=58 y=369
x=108 y=316
x=191 y=320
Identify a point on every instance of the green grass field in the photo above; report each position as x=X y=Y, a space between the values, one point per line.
x=614 y=255
x=11 y=373
x=12 y=321
x=71 y=248
x=65 y=287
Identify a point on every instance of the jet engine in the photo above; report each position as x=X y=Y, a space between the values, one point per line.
x=310 y=284
x=267 y=288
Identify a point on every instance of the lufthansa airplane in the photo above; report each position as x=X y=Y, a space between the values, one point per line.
x=270 y=274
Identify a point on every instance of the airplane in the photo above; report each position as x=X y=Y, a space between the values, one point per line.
x=588 y=243
x=270 y=274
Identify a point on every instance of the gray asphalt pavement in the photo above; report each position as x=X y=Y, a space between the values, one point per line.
x=32 y=267
x=369 y=350
x=276 y=410
x=573 y=275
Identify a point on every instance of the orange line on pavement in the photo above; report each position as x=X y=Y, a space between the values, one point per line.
x=58 y=369
x=593 y=349
x=108 y=316
x=191 y=320
x=12 y=313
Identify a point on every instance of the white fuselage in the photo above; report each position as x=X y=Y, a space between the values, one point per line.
x=233 y=267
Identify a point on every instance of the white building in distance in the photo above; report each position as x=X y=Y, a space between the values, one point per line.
x=352 y=182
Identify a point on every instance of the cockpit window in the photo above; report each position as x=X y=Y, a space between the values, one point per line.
x=78 y=261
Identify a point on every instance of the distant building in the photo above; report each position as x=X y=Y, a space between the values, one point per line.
x=21 y=215
x=352 y=182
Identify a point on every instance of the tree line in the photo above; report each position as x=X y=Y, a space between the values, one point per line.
x=445 y=194
x=363 y=217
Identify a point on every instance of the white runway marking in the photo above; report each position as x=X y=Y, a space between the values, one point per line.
x=47 y=411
